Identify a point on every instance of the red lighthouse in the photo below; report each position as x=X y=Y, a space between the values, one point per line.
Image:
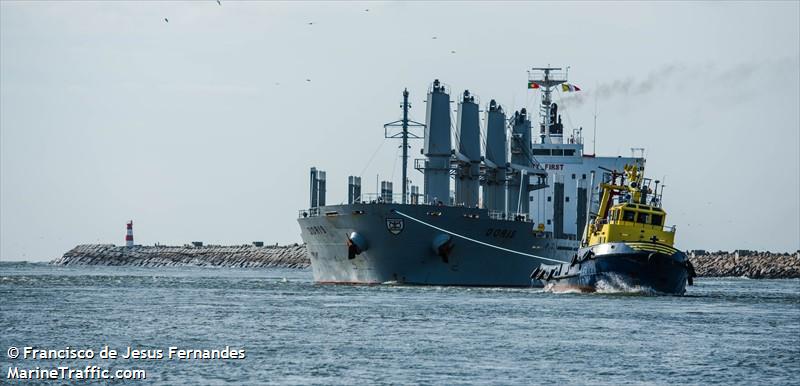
x=129 y=235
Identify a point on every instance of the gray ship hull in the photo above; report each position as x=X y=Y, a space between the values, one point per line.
x=400 y=246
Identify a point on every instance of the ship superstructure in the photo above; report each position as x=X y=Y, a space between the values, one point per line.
x=494 y=204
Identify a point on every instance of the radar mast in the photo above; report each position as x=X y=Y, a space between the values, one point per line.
x=547 y=78
x=404 y=124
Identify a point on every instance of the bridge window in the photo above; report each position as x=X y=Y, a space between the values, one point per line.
x=628 y=215
x=541 y=151
x=642 y=218
x=657 y=219
x=558 y=152
x=569 y=152
x=566 y=198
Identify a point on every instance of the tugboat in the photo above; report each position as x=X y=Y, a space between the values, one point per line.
x=626 y=246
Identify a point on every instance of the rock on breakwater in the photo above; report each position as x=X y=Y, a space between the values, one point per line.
x=244 y=256
x=752 y=264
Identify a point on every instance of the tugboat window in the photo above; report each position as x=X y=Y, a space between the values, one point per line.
x=642 y=218
x=656 y=219
x=569 y=152
x=628 y=216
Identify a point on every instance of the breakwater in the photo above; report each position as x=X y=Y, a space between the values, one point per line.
x=752 y=264
x=243 y=256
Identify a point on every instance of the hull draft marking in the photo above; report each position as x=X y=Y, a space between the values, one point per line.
x=473 y=240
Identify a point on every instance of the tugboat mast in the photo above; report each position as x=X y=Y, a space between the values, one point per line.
x=404 y=124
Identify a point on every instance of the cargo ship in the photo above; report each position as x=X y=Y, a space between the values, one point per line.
x=627 y=248
x=495 y=203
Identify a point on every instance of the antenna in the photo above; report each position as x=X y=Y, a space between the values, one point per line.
x=404 y=124
x=590 y=194
x=594 y=131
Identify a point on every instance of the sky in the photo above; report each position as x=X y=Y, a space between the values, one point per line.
x=204 y=127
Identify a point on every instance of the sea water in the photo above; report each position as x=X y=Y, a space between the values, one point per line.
x=724 y=331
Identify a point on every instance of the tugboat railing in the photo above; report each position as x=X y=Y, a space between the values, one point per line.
x=666 y=228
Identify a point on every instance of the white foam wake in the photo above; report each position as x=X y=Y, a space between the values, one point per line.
x=612 y=283
x=609 y=283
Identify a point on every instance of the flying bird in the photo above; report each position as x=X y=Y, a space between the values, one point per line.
x=366 y=10
x=308 y=80
x=219 y=2
x=311 y=23
x=452 y=52
x=434 y=38
x=166 y=20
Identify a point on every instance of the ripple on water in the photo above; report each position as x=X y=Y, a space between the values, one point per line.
x=724 y=331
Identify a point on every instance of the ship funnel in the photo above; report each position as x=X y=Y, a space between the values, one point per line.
x=437 y=144
x=469 y=152
x=317 y=194
x=496 y=158
x=353 y=189
x=129 y=234
x=556 y=127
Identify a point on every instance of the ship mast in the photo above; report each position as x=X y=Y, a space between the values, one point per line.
x=547 y=78
x=404 y=124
